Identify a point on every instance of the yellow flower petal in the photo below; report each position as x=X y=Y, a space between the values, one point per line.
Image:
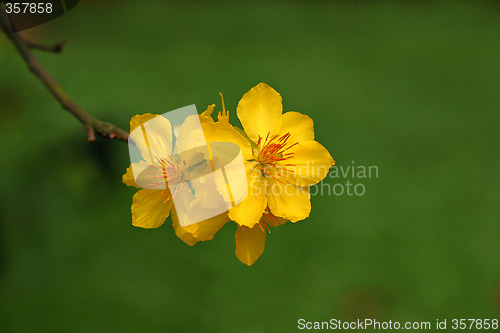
x=148 y=208
x=206 y=230
x=300 y=126
x=260 y=111
x=311 y=163
x=224 y=132
x=250 y=243
x=128 y=178
x=140 y=119
x=249 y=211
x=201 y=231
x=190 y=134
x=181 y=232
x=154 y=141
x=208 y=112
x=288 y=201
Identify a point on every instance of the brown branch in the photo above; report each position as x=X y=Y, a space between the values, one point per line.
x=92 y=125
x=56 y=48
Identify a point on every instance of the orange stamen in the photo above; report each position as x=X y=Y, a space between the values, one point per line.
x=272 y=150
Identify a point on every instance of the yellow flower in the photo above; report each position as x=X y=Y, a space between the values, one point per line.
x=150 y=207
x=285 y=159
x=281 y=160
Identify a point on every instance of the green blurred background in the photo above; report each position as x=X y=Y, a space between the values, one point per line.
x=411 y=87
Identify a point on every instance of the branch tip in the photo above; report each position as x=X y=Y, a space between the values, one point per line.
x=90 y=133
x=92 y=125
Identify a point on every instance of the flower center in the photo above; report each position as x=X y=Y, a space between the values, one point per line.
x=272 y=150
x=173 y=173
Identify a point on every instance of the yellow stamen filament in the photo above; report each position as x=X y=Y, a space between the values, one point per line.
x=224 y=114
x=147 y=142
x=228 y=187
x=210 y=155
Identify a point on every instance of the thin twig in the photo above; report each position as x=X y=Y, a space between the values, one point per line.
x=56 y=48
x=92 y=125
